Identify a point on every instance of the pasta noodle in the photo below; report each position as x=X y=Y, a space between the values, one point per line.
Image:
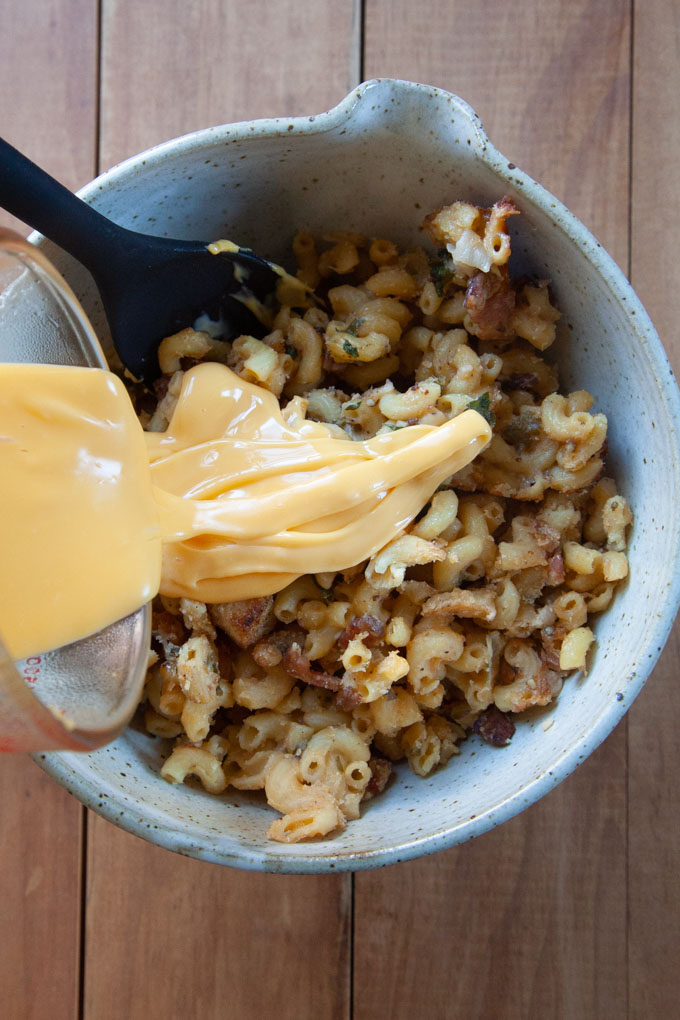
x=483 y=604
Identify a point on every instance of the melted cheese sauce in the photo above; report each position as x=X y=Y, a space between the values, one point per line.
x=288 y=291
x=236 y=499
x=80 y=541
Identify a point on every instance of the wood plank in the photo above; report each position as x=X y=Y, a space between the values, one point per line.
x=48 y=82
x=530 y=920
x=215 y=63
x=524 y=922
x=192 y=938
x=195 y=939
x=654 y=753
x=40 y=887
x=48 y=59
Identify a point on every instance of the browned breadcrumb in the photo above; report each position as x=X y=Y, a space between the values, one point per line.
x=245 y=622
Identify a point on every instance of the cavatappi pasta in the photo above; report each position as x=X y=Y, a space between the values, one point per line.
x=475 y=612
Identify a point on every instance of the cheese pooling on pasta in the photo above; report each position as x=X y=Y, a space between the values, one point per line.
x=252 y=496
x=238 y=496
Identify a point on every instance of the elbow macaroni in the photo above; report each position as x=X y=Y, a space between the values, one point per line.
x=482 y=604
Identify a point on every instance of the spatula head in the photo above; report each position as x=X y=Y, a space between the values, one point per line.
x=171 y=286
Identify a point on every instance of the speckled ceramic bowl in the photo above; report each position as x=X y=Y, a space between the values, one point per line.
x=388 y=154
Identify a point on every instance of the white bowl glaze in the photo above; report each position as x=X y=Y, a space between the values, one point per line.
x=388 y=154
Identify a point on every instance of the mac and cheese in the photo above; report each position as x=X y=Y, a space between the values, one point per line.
x=477 y=611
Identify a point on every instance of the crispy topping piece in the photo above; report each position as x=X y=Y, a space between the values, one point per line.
x=298 y=665
x=494 y=727
x=247 y=621
x=381 y=770
x=490 y=302
x=370 y=626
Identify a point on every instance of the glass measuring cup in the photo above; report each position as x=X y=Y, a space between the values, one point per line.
x=82 y=695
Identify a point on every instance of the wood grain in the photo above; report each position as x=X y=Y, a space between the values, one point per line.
x=40 y=887
x=48 y=83
x=199 y=940
x=48 y=59
x=654 y=749
x=170 y=67
x=528 y=921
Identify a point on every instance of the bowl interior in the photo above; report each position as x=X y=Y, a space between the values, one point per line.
x=378 y=164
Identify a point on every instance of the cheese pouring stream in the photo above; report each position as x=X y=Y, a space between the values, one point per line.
x=235 y=500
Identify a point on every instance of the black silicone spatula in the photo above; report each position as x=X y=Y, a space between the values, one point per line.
x=150 y=286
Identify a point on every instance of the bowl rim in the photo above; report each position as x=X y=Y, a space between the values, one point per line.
x=268 y=858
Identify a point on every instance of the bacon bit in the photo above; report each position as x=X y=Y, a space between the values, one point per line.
x=547 y=537
x=270 y=650
x=348 y=698
x=556 y=572
x=494 y=726
x=552 y=637
x=247 y=621
x=381 y=770
x=551 y=641
x=298 y=665
x=168 y=629
x=490 y=302
x=371 y=626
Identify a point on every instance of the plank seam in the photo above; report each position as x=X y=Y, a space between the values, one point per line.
x=351 y=944
x=630 y=136
x=631 y=104
x=84 y=834
x=362 y=39
x=83 y=917
x=98 y=90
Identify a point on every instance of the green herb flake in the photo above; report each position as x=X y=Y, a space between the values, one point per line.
x=353 y=328
x=521 y=432
x=395 y=425
x=327 y=594
x=353 y=407
x=483 y=406
x=441 y=271
x=291 y=351
x=350 y=349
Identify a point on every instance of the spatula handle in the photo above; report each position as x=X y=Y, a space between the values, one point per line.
x=46 y=205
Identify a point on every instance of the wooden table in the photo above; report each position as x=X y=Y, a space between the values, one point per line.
x=572 y=909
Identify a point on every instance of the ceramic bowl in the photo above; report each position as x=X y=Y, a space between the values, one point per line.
x=377 y=163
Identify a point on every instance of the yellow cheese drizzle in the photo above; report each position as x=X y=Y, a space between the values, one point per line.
x=235 y=499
